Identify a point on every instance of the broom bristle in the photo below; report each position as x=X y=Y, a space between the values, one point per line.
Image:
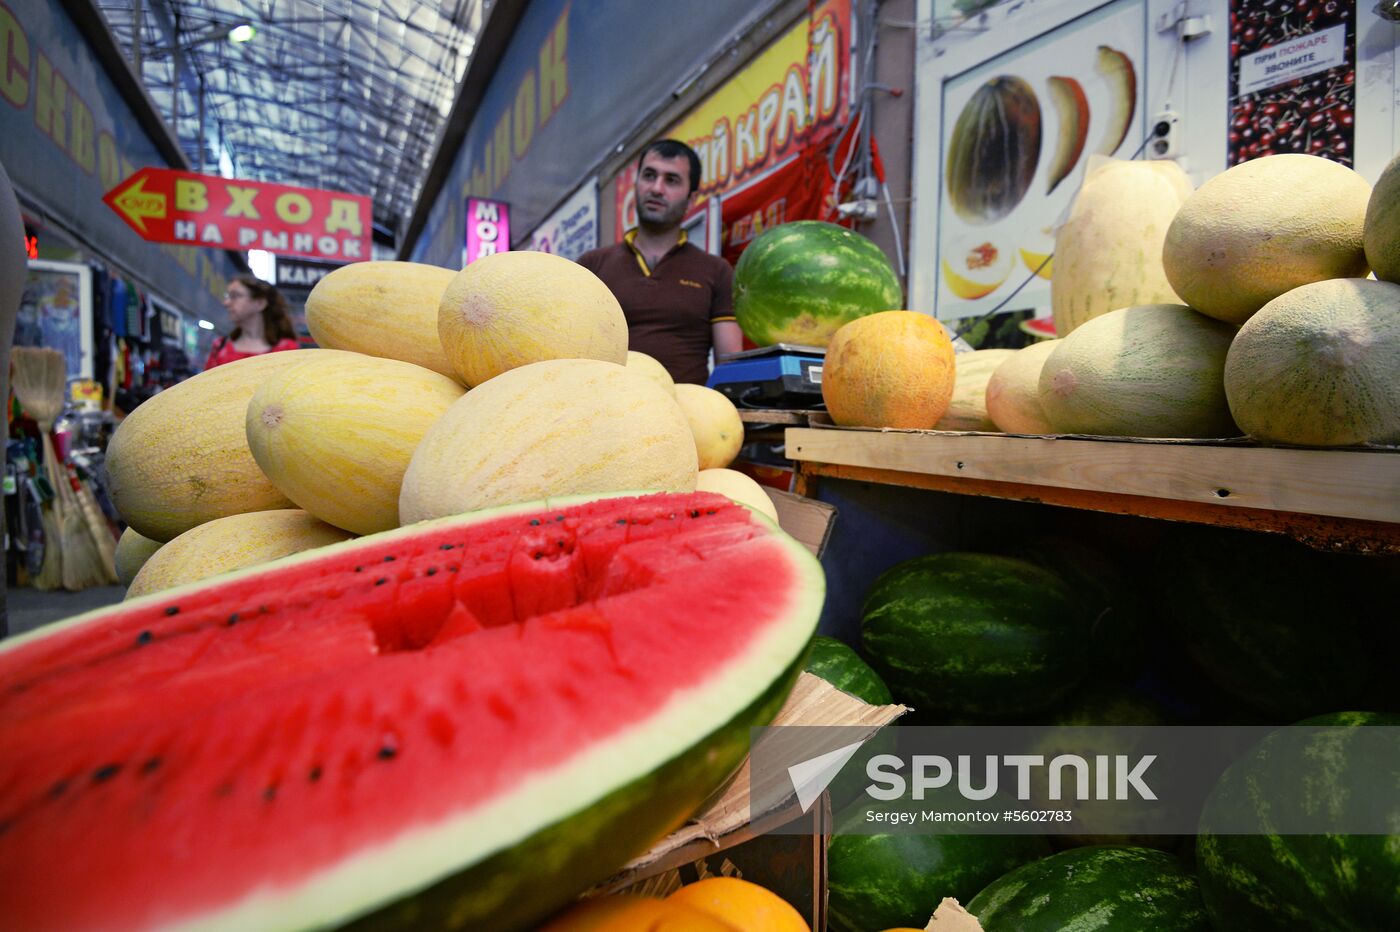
x=40 y=377
x=50 y=575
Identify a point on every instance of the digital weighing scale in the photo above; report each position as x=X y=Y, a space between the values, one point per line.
x=778 y=376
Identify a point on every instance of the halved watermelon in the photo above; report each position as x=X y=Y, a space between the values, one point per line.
x=457 y=724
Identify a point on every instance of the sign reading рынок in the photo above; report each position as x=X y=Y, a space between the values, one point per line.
x=169 y=206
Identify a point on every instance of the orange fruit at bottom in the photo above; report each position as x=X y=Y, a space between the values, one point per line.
x=891 y=369
x=742 y=904
x=635 y=914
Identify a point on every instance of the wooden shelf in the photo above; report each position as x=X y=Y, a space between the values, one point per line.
x=1339 y=499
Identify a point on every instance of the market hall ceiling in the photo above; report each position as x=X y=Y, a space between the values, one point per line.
x=346 y=95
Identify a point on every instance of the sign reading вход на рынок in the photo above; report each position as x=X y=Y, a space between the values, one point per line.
x=1296 y=58
x=169 y=206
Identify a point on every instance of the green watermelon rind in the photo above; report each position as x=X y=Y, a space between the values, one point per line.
x=460 y=880
x=888 y=881
x=781 y=295
x=836 y=662
x=1303 y=882
x=924 y=639
x=1103 y=888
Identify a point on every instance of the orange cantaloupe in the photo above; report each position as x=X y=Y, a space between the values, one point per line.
x=891 y=369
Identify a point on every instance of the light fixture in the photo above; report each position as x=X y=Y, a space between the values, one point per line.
x=205 y=325
x=242 y=33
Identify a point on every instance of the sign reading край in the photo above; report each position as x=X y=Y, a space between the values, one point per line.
x=169 y=206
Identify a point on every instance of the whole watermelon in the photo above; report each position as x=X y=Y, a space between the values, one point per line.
x=837 y=663
x=1340 y=883
x=884 y=881
x=1106 y=888
x=975 y=634
x=799 y=282
x=1287 y=630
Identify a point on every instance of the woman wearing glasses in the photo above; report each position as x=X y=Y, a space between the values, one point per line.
x=260 y=322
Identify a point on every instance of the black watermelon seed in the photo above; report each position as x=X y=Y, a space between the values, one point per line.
x=315 y=774
x=224 y=789
x=710 y=512
x=150 y=765
x=388 y=753
x=445 y=547
x=106 y=772
x=233 y=619
x=534 y=522
x=381 y=580
x=58 y=789
x=172 y=610
x=621 y=520
x=695 y=512
x=263 y=610
x=270 y=793
x=538 y=555
x=561 y=542
x=453 y=569
x=432 y=571
x=389 y=558
x=359 y=569
x=559 y=518
x=145 y=637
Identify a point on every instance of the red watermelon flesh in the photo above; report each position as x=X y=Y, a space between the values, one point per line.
x=244 y=749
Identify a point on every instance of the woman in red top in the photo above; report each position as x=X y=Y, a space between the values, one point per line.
x=260 y=322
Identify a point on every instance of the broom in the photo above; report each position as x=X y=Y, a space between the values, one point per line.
x=38 y=377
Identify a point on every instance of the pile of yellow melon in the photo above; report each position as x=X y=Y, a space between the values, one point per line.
x=435 y=393
x=1245 y=308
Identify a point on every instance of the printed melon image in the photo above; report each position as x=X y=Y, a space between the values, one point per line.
x=462 y=724
x=799 y=282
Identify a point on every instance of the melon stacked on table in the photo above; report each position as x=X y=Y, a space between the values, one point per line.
x=379 y=428
x=1242 y=307
x=435 y=629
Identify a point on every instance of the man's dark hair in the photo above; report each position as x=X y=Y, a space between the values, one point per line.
x=669 y=149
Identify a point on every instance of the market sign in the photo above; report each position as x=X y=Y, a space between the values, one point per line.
x=572 y=229
x=761 y=130
x=302 y=273
x=488 y=228
x=169 y=206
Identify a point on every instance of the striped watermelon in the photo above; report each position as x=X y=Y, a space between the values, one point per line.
x=883 y=881
x=1106 y=888
x=835 y=662
x=1339 y=883
x=975 y=633
x=799 y=282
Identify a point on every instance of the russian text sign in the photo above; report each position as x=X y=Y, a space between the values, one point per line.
x=169 y=206
x=488 y=228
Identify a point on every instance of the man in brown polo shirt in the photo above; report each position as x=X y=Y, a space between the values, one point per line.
x=677 y=298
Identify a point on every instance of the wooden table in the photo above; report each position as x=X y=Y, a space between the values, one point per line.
x=1342 y=499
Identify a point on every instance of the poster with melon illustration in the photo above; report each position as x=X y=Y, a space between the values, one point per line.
x=1017 y=131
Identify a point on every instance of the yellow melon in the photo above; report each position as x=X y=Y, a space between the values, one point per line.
x=227 y=544
x=182 y=458
x=335 y=435
x=133 y=551
x=1381 y=234
x=738 y=487
x=515 y=308
x=646 y=365
x=1320 y=366
x=1150 y=371
x=967 y=409
x=387 y=309
x=715 y=423
x=1264 y=227
x=891 y=369
x=1013 y=391
x=559 y=427
x=1108 y=253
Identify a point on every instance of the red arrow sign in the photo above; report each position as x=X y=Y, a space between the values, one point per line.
x=169 y=206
